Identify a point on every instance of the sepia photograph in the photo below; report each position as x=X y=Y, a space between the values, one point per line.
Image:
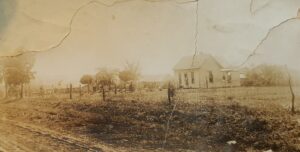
x=149 y=75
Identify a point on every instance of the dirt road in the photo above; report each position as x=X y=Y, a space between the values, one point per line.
x=16 y=136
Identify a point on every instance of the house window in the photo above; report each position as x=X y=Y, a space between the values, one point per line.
x=229 y=77
x=193 y=77
x=210 y=77
x=179 y=78
x=224 y=77
x=186 y=79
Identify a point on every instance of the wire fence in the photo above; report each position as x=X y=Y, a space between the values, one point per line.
x=252 y=96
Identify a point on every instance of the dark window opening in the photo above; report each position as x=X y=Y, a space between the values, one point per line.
x=179 y=78
x=186 y=79
x=193 y=77
x=229 y=77
x=210 y=77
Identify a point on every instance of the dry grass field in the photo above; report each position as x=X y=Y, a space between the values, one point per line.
x=249 y=96
x=257 y=119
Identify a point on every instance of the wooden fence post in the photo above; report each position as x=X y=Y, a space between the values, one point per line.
x=291 y=90
x=169 y=94
x=71 y=90
x=80 y=94
x=22 y=91
x=103 y=93
x=42 y=91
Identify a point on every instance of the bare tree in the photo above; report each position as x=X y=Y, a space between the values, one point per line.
x=104 y=79
x=130 y=73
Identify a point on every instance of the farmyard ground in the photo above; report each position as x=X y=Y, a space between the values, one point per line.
x=202 y=120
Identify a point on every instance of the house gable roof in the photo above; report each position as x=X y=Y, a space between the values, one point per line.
x=199 y=60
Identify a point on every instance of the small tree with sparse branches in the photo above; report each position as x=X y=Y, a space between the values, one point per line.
x=87 y=80
x=104 y=79
x=17 y=71
x=129 y=74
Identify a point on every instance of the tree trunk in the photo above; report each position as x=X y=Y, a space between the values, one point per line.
x=88 y=88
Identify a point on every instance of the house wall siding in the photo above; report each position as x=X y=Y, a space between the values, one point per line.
x=189 y=76
x=201 y=77
x=214 y=67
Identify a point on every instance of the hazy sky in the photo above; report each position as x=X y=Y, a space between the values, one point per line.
x=155 y=34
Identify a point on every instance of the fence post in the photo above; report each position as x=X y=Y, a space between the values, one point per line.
x=22 y=91
x=103 y=93
x=169 y=94
x=71 y=90
x=42 y=91
x=291 y=90
x=80 y=91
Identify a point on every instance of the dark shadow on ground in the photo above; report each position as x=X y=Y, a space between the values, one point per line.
x=192 y=126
